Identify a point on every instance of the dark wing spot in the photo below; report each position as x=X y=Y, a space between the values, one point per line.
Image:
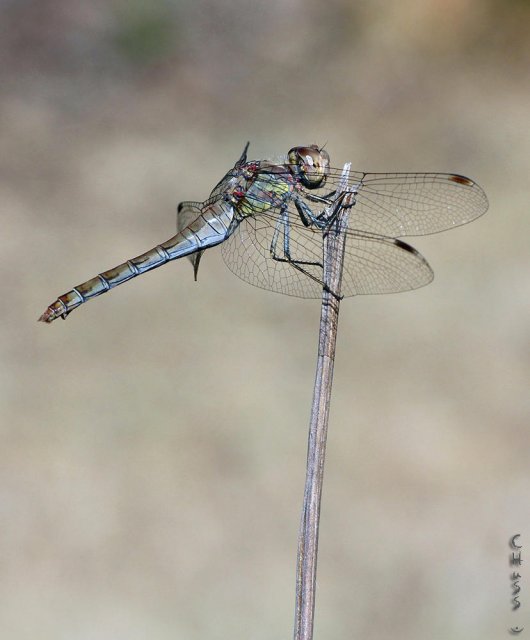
x=405 y=246
x=461 y=180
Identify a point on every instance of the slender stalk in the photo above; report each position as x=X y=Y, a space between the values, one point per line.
x=334 y=242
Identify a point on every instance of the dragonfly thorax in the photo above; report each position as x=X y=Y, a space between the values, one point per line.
x=310 y=165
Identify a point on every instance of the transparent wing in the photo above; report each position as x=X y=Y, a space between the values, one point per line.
x=377 y=264
x=410 y=204
x=372 y=263
x=387 y=206
x=247 y=253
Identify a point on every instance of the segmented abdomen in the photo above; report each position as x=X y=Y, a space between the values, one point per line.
x=211 y=227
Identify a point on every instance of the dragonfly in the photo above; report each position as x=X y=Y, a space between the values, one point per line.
x=270 y=218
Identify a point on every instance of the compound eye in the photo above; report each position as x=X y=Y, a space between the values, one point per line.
x=310 y=165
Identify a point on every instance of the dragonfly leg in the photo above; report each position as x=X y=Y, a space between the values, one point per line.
x=283 y=224
x=325 y=199
x=306 y=215
x=321 y=220
x=329 y=215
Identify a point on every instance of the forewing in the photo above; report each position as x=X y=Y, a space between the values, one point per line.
x=411 y=204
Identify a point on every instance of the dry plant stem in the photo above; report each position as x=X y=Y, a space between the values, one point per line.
x=334 y=241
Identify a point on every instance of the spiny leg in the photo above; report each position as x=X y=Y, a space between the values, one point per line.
x=328 y=199
x=324 y=221
x=283 y=223
x=324 y=199
x=306 y=215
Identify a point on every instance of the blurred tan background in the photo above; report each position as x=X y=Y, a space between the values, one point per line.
x=153 y=446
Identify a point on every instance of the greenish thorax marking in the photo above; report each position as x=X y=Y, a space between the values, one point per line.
x=266 y=191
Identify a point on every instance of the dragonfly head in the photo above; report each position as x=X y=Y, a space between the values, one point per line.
x=310 y=165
